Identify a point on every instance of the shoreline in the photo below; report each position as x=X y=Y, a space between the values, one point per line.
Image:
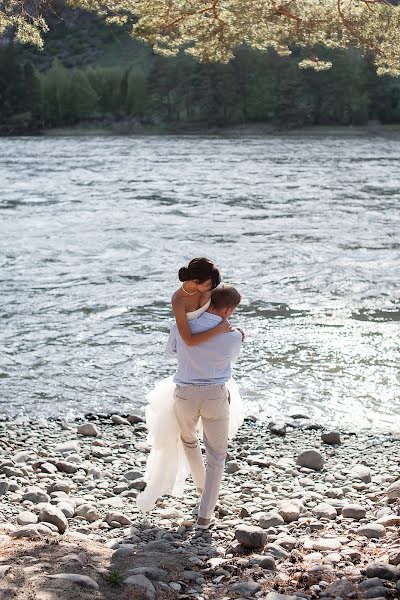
x=309 y=532
x=250 y=129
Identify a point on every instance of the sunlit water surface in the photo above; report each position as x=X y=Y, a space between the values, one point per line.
x=93 y=230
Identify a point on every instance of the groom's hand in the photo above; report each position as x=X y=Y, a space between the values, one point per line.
x=225 y=326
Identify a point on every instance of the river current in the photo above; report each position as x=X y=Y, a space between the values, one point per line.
x=93 y=231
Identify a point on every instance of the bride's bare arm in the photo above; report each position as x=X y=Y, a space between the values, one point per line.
x=193 y=339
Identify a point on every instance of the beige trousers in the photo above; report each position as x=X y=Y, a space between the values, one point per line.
x=211 y=403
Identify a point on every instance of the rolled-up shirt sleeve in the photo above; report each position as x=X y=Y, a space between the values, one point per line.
x=236 y=344
x=170 y=350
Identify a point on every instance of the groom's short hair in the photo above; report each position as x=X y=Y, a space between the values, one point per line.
x=225 y=296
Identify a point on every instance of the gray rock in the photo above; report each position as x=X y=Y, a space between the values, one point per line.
x=67 y=467
x=22 y=457
x=151 y=572
x=132 y=475
x=54 y=515
x=331 y=437
x=141 y=582
x=232 y=467
x=67 y=508
x=377 y=592
x=4 y=570
x=88 y=429
x=117 y=517
x=251 y=536
x=118 y=420
x=81 y=580
x=353 y=511
x=311 y=459
x=88 y=512
x=276 y=551
x=33 y=532
x=27 y=518
x=383 y=571
x=276 y=596
x=67 y=447
x=389 y=521
x=394 y=556
x=137 y=484
x=36 y=495
x=372 y=530
x=340 y=588
x=248 y=588
x=290 y=510
x=267 y=562
x=393 y=491
x=325 y=511
x=370 y=583
x=134 y=419
x=270 y=519
x=361 y=472
x=277 y=428
x=4 y=487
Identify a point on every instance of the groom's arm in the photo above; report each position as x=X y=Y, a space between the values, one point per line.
x=170 y=350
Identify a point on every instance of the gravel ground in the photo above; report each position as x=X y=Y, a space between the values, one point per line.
x=302 y=514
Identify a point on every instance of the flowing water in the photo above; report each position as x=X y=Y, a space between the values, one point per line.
x=93 y=231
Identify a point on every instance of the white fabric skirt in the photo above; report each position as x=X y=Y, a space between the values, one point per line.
x=167 y=468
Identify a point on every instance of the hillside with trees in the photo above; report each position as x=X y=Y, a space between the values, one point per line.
x=95 y=74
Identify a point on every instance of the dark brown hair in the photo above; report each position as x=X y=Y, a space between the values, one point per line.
x=200 y=269
x=225 y=296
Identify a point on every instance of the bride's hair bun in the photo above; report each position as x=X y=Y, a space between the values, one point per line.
x=200 y=270
x=183 y=274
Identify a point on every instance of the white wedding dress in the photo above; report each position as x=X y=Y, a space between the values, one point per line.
x=167 y=468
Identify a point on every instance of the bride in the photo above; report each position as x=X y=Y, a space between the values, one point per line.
x=167 y=467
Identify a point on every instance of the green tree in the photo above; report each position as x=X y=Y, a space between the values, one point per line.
x=136 y=100
x=83 y=97
x=56 y=94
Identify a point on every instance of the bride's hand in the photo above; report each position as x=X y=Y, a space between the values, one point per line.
x=224 y=326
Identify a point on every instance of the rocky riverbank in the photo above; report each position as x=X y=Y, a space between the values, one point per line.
x=292 y=523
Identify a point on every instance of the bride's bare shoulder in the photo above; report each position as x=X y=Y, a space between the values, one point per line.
x=177 y=300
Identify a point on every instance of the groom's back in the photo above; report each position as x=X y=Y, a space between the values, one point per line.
x=209 y=362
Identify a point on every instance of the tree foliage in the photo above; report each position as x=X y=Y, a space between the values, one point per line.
x=179 y=93
x=210 y=30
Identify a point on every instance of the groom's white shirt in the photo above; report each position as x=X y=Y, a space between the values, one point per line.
x=208 y=363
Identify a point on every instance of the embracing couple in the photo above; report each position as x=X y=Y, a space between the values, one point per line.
x=201 y=398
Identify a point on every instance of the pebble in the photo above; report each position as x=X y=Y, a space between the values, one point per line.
x=143 y=583
x=312 y=459
x=325 y=511
x=251 y=536
x=290 y=510
x=89 y=429
x=331 y=437
x=4 y=487
x=361 y=472
x=27 y=518
x=54 y=515
x=393 y=491
x=383 y=571
x=81 y=580
x=372 y=530
x=353 y=511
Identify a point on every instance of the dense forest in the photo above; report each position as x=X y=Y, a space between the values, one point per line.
x=95 y=75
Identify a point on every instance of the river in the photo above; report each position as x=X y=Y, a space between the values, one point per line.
x=94 y=229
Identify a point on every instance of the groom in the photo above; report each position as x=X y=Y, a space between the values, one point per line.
x=201 y=392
